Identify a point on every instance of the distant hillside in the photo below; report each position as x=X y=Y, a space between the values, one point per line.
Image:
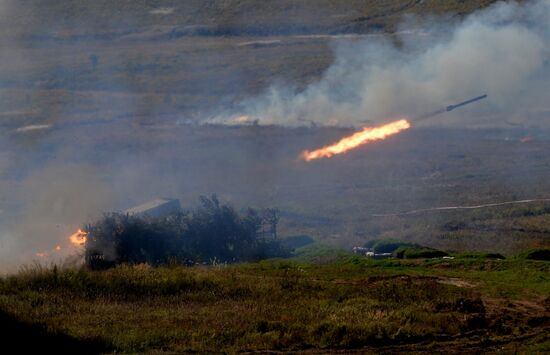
x=214 y=17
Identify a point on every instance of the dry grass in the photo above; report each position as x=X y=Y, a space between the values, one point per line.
x=274 y=305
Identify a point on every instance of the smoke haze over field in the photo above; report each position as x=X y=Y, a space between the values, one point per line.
x=502 y=51
x=89 y=125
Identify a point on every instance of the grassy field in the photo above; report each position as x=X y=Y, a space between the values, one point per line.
x=469 y=304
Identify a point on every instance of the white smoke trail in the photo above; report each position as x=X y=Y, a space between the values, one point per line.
x=454 y=208
x=501 y=51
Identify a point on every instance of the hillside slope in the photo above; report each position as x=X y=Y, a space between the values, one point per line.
x=105 y=18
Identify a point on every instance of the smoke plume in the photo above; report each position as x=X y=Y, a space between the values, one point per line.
x=501 y=51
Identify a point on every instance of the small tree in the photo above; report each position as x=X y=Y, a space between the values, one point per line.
x=211 y=232
x=271 y=218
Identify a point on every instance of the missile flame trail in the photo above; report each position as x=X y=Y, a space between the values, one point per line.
x=370 y=134
x=359 y=138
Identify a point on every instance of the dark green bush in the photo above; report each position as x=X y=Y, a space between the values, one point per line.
x=536 y=254
x=418 y=253
x=212 y=233
x=387 y=246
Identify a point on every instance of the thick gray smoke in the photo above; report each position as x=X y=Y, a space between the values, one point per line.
x=51 y=203
x=502 y=51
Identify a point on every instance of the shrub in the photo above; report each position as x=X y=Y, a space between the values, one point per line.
x=536 y=254
x=211 y=233
x=387 y=246
x=418 y=252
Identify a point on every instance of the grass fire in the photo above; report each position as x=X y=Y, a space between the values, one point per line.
x=79 y=237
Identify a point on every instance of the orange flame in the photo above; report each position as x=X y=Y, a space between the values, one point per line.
x=48 y=253
x=368 y=134
x=79 y=238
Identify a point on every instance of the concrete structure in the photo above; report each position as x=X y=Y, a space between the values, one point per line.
x=156 y=208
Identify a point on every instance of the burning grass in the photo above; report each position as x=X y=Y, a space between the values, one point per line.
x=278 y=305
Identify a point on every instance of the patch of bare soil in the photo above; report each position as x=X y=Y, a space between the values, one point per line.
x=509 y=325
x=456 y=282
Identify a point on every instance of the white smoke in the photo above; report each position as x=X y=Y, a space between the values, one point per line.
x=501 y=51
x=56 y=200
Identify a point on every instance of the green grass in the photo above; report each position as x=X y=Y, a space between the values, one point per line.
x=478 y=255
x=319 y=252
x=278 y=304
